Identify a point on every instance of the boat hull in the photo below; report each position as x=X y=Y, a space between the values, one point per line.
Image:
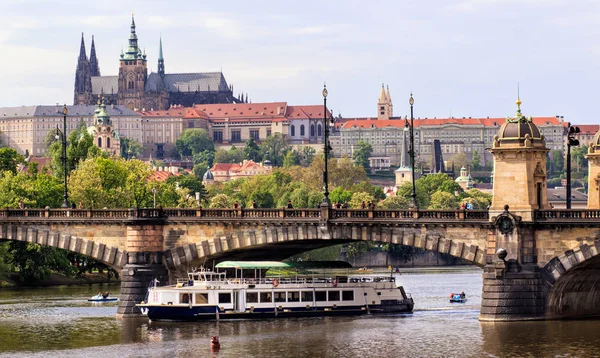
x=102 y=300
x=211 y=313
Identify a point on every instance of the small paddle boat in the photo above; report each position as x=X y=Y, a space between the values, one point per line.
x=102 y=297
x=458 y=298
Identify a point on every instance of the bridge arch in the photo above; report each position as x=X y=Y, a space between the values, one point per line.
x=282 y=241
x=571 y=281
x=111 y=256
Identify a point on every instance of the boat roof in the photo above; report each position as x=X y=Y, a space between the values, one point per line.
x=279 y=264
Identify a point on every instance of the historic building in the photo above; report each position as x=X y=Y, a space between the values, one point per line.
x=104 y=133
x=136 y=89
x=456 y=135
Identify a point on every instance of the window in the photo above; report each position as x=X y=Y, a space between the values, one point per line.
x=293 y=131
x=99 y=142
x=201 y=298
x=334 y=295
x=225 y=297
x=236 y=136
x=218 y=136
x=302 y=130
x=307 y=296
x=279 y=296
x=320 y=296
x=254 y=134
x=265 y=297
x=347 y=295
x=312 y=130
x=184 y=297
x=268 y=132
x=107 y=142
x=294 y=296
x=252 y=297
x=382 y=108
x=319 y=130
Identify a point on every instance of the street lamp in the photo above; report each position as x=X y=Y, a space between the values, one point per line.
x=325 y=148
x=154 y=196
x=571 y=141
x=63 y=157
x=411 y=151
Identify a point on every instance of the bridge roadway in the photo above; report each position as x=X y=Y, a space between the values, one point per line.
x=551 y=275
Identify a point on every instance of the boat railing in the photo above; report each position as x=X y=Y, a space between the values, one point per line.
x=276 y=281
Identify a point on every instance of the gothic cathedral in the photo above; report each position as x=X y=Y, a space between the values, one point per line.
x=133 y=87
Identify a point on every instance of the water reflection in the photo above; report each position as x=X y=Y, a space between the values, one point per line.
x=60 y=322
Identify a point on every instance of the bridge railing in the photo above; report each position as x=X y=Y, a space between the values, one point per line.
x=567 y=214
x=242 y=213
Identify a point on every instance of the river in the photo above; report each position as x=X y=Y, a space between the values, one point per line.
x=59 y=322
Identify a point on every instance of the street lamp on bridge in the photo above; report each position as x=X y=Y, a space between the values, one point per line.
x=411 y=152
x=326 y=148
x=571 y=141
x=63 y=157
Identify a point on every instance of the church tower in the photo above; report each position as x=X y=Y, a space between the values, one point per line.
x=161 y=61
x=384 y=104
x=133 y=73
x=83 y=79
x=94 y=67
x=105 y=136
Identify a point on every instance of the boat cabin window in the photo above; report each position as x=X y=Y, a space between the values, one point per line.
x=201 y=298
x=347 y=295
x=321 y=296
x=294 y=296
x=194 y=277
x=225 y=297
x=184 y=298
x=334 y=295
x=266 y=297
x=279 y=296
x=252 y=297
x=307 y=296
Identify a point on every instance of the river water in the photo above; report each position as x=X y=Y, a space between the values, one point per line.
x=59 y=322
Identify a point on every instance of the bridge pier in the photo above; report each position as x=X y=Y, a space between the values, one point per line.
x=512 y=293
x=144 y=264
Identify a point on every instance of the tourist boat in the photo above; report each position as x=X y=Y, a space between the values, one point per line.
x=212 y=295
x=458 y=298
x=102 y=298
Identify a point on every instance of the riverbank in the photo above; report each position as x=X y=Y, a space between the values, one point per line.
x=57 y=280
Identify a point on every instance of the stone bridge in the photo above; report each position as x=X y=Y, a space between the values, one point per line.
x=549 y=272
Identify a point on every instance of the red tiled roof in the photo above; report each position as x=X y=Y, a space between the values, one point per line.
x=306 y=112
x=182 y=112
x=400 y=122
x=245 y=110
x=588 y=128
x=164 y=175
x=221 y=167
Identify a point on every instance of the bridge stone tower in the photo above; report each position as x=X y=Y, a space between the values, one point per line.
x=513 y=287
x=519 y=151
x=593 y=158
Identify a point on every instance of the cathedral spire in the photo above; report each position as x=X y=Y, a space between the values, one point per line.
x=133 y=52
x=161 y=60
x=94 y=68
x=82 y=54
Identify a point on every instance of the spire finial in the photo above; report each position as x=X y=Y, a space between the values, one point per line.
x=518 y=100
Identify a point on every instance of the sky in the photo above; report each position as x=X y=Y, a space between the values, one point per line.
x=460 y=58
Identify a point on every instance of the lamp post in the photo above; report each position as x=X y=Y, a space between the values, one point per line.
x=154 y=196
x=325 y=148
x=571 y=141
x=63 y=157
x=411 y=152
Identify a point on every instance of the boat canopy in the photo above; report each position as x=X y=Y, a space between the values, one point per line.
x=279 y=264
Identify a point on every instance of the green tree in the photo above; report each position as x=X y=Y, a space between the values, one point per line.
x=308 y=153
x=558 y=161
x=190 y=182
x=236 y=155
x=192 y=141
x=340 y=195
x=459 y=160
x=475 y=161
x=222 y=156
x=252 y=151
x=199 y=170
x=80 y=145
x=291 y=158
x=221 y=201
x=360 y=197
x=36 y=262
x=443 y=200
x=9 y=159
x=394 y=202
x=263 y=198
x=130 y=148
x=361 y=154
x=207 y=157
x=273 y=148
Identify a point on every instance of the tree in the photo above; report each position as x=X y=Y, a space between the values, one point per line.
x=221 y=201
x=9 y=159
x=192 y=141
x=130 y=148
x=252 y=151
x=558 y=161
x=361 y=154
x=263 y=198
x=443 y=200
x=394 y=202
x=459 y=160
x=199 y=170
x=475 y=163
x=273 y=148
x=291 y=158
x=308 y=153
x=340 y=195
x=359 y=198
x=80 y=145
x=236 y=155
x=190 y=182
x=222 y=156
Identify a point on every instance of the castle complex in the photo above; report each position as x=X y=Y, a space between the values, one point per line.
x=134 y=88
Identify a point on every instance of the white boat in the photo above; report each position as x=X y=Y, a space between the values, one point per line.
x=211 y=295
x=102 y=298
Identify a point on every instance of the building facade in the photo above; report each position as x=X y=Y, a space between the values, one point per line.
x=135 y=88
